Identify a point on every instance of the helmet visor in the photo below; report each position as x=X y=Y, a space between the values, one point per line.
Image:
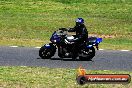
x=79 y=21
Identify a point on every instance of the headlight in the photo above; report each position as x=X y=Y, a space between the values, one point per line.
x=89 y=46
x=94 y=44
x=54 y=40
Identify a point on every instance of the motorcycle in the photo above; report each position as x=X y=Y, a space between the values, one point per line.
x=67 y=47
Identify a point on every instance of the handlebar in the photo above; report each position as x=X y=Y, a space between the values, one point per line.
x=63 y=29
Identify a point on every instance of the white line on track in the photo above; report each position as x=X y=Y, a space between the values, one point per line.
x=101 y=49
x=13 y=46
x=37 y=47
x=124 y=50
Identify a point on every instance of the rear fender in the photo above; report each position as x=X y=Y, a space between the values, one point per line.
x=98 y=40
x=94 y=41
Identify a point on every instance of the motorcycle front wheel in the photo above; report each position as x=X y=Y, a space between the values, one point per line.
x=46 y=53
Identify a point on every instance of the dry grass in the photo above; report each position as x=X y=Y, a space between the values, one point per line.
x=41 y=77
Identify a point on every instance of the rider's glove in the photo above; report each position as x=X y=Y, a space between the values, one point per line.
x=71 y=29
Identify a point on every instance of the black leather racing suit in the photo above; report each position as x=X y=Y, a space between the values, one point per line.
x=81 y=34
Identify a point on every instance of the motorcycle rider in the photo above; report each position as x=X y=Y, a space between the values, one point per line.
x=81 y=34
x=80 y=29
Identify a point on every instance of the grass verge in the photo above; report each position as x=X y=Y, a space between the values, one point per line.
x=26 y=22
x=41 y=77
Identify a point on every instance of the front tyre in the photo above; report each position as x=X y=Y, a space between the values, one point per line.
x=47 y=53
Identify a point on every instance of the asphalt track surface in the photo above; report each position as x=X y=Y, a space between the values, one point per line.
x=104 y=59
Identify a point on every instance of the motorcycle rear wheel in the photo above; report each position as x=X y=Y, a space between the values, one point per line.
x=89 y=54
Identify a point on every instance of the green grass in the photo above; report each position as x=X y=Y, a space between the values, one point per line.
x=41 y=77
x=35 y=20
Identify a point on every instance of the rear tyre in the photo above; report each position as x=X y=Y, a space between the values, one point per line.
x=89 y=53
x=74 y=57
x=47 y=53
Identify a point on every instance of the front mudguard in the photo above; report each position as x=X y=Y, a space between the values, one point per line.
x=50 y=45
